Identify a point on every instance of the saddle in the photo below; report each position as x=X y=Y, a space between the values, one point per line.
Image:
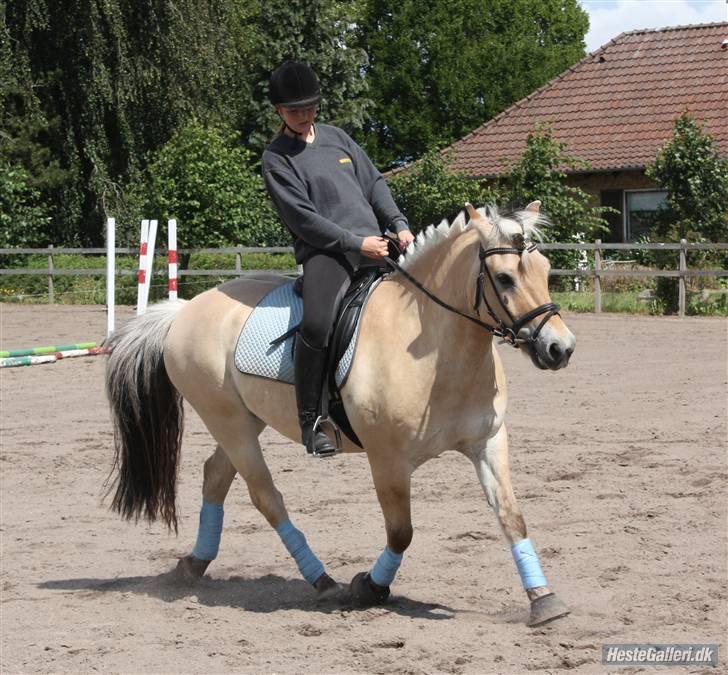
x=266 y=342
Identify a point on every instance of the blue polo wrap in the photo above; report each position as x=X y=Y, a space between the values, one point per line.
x=294 y=540
x=385 y=569
x=209 y=531
x=528 y=564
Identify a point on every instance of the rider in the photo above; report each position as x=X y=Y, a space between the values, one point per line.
x=336 y=205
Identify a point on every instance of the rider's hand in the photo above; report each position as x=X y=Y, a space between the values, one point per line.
x=374 y=247
x=405 y=238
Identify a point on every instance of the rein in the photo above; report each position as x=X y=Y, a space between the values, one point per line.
x=509 y=334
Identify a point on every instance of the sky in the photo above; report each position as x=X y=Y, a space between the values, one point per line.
x=609 y=18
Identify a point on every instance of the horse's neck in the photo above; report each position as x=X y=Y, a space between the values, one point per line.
x=449 y=270
x=419 y=363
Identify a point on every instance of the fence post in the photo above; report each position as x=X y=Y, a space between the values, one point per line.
x=683 y=266
x=51 y=294
x=598 y=277
x=239 y=260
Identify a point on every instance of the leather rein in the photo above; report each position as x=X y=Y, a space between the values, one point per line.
x=509 y=334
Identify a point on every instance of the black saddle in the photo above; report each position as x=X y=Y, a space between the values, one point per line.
x=341 y=335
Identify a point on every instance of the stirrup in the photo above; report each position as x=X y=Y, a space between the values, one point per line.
x=320 y=421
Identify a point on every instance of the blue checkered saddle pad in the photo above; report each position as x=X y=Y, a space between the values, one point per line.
x=277 y=313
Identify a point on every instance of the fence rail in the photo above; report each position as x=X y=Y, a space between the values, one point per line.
x=596 y=272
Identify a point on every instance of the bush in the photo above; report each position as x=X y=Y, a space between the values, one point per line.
x=22 y=221
x=429 y=191
x=695 y=176
x=213 y=190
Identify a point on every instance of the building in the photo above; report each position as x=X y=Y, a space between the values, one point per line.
x=615 y=109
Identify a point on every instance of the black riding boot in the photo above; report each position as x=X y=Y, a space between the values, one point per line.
x=309 y=364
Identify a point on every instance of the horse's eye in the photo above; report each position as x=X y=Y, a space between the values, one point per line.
x=505 y=280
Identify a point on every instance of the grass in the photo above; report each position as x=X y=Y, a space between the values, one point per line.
x=91 y=289
x=620 y=302
x=628 y=302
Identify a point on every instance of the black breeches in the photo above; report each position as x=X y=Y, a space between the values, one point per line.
x=326 y=278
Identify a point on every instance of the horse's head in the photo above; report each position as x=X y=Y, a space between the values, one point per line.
x=513 y=285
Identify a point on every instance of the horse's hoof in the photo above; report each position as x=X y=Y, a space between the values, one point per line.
x=191 y=568
x=327 y=588
x=365 y=593
x=546 y=608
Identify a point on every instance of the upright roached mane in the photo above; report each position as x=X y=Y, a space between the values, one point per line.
x=505 y=227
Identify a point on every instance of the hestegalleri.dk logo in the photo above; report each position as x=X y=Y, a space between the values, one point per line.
x=660 y=655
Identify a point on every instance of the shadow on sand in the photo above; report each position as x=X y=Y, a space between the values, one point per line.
x=268 y=593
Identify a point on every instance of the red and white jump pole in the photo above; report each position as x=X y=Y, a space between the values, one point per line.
x=172 y=258
x=146 y=263
x=142 y=273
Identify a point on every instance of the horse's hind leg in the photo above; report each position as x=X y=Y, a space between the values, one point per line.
x=492 y=466
x=237 y=430
x=218 y=475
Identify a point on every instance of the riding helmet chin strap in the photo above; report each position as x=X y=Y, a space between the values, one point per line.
x=293 y=131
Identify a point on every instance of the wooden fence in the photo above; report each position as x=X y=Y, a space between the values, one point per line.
x=598 y=271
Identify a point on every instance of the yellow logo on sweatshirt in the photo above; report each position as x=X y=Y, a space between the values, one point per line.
x=345 y=160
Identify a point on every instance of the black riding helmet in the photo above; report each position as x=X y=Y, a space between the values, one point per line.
x=294 y=85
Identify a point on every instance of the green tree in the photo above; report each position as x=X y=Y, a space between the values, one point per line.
x=439 y=68
x=539 y=175
x=107 y=82
x=320 y=32
x=695 y=176
x=208 y=183
x=430 y=191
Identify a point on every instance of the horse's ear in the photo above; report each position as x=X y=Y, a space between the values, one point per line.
x=478 y=220
x=473 y=212
x=534 y=206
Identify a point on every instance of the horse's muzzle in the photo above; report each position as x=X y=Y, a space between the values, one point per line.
x=551 y=350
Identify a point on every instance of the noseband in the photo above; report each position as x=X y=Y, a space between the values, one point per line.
x=509 y=334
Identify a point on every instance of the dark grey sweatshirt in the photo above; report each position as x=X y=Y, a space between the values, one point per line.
x=328 y=193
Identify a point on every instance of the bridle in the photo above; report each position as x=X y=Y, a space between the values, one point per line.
x=509 y=334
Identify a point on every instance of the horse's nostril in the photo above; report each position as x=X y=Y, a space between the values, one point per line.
x=555 y=351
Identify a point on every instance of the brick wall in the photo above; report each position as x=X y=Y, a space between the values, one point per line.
x=594 y=183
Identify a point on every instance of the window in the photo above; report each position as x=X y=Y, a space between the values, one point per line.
x=640 y=206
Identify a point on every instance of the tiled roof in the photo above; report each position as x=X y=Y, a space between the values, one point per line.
x=616 y=107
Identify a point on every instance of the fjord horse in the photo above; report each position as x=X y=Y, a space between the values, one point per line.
x=443 y=388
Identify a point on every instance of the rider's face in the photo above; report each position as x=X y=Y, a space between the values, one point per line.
x=299 y=119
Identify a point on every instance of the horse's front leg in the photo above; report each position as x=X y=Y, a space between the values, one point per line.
x=492 y=466
x=218 y=475
x=392 y=482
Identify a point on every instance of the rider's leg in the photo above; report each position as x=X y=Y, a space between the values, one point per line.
x=326 y=279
